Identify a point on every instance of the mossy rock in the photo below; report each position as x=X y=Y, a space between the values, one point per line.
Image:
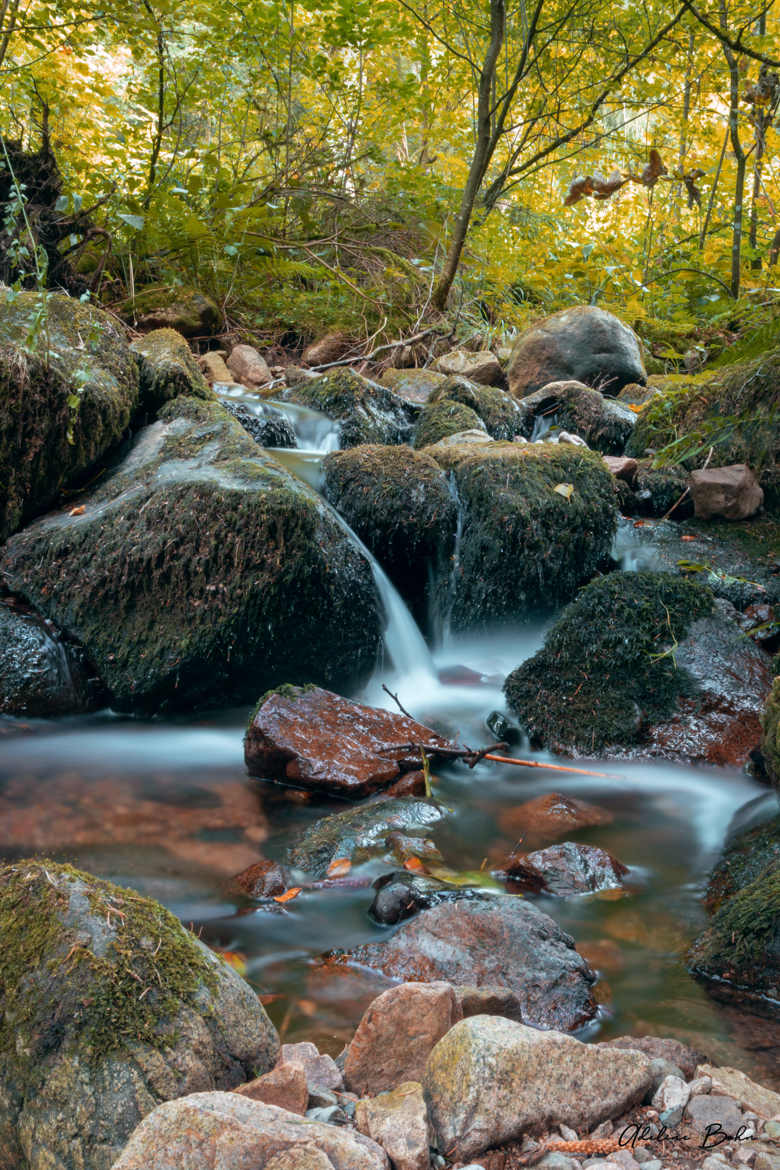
x=69 y=387
x=414 y=385
x=168 y=369
x=365 y=411
x=770 y=739
x=40 y=676
x=399 y=503
x=501 y=414
x=607 y=670
x=188 y=311
x=738 y=956
x=439 y=419
x=201 y=572
x=537 y=520
x=660 y=491
x=735 y=410
x=110 y=1006
x=604 y=423
x=744 y=859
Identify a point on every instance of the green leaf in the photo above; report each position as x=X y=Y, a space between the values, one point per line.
x=135 y=221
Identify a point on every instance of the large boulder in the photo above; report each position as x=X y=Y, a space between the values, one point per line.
x=501 y=415
x=603 y=423
x=167 y=369
x=109 y=1007
x=200 y=571
x=607 y=671
x=536 y=523
x=583 y=344
x=39 y=674
x=400 y=504
x=69 y=386
x=732 y=492
x=490 y=1080
x=212 y=1131
x=315 y=739
x=365 y=411
x=501 y=942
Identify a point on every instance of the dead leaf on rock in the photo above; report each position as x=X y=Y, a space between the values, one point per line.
x=79 y=511
x=288 y=895
x=339 y=867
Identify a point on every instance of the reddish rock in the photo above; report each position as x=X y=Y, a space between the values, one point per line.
x=264 y=879
x=321 y=1071
x=398 y=1122
x=566 y=869
x=551 y=816
x=316 y=739
x=410 y=784
x=248 y=366
x=396 y=1036
x=622 y=466
x=662 y=1048
x=496 y=942
x=732 y=492
x=284 y=1086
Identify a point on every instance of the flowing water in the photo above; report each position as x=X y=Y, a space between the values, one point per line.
x=165 y=807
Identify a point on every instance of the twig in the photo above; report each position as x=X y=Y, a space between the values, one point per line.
x=471 y=757
x=677 y=503
x=398 y=703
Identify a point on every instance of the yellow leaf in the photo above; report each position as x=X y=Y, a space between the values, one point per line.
x=564 y=489
x=288 y=895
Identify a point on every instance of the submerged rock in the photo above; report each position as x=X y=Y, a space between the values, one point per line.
x=399 y=503
x=608 y=670
x=167 y=369
x=315 y=739
x=603 y=423
x=344 y=834
x=584 y=344
x=489 y=1080
x=503 y=942
x=67 y=396
x=39 y=674
x=552 y=815
x=365 y=411
x=200 y=571
x=267 y=427
x=536 y=523
x=565 y=870
x=109 y=1007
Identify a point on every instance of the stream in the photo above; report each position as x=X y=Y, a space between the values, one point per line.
x=164 y=806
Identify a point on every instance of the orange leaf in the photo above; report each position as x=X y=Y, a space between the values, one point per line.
x=307 y=1007
x=639 y=524
x=687 y=537
x=338 y=867
x=288 y=895
x=415 y=865
x=637 y=407
x=77 y=511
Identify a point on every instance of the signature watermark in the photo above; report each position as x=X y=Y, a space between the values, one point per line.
x=714 y=1135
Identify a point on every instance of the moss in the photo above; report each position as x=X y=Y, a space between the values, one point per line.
x=399 y=503
x=604 y=423
x=366 y=411
x=743 y=860
x=499 y=411
x=84 y=960
x=286 y=690
x=168 y=369
x=446 y=417
x=607 y=666
x=186 y=310
x=525 y=545
x=770 y=739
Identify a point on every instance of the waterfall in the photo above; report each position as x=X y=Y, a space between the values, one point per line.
x=452 y=585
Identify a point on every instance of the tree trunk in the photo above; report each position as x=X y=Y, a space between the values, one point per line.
x=739 y=155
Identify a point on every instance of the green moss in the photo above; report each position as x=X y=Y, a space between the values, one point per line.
x=168 y=369
x=446 y=417
x=186 y=310
x=742 y=943
x=367 y=412
x=743 y=860
x=499 y=411
x=607 y=666
x=86 y=961
x=286 y=690
x=770 y=739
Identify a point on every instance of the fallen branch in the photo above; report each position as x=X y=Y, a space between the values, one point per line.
x=471 y=757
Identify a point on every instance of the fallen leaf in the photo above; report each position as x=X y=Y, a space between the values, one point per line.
x=233 y=959
x=639 y=524
x=288 y=895
x=637 y=407
x=415 y=865
x=687 y=537
x=564 y=489
x=339 y=867
x=77 y=511
x=307 y=1007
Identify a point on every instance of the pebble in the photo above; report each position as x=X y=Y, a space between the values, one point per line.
x=644 y=1156
x=700 y=1085
x=651 y=1163
x=766 y=1161
x=567 y=1133
x=558 y=1161
x=332 y=1114
x=772 y=1129
x=670 y=1099
x=715 y=1162
x=603 y=1131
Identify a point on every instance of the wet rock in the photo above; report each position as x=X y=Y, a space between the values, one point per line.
x=264 y=879
x=746 y=855
x=344 y=834
x=46 y=443
x=452 y=447
x=206 y=1131
x=267 y=427
x=398 y=1122
x=365 y=411
x=328 y=348
x=77 y=1037
x=189 y=312
x=400 y=504
x=489 y=1001
x=609 y=671
x=504 y=942
x=585 y=344
x=317 y=739
x=603 y=423
x=405 y=848
x=750 y=1096
x=552 y=815
x=732 y=492
x=660 y=492
x=39 y=675
x=502 y=728
x=167 y=369
x=490 y=1080
x=482 y=367
x=284 y=1086
x=322 y=1072
x=443 y=418
x=501 y=415
x=402 y=894
x=176 y=577
x=704 y=1111
x=385 y=1049
x=566 y=870
x=524 y=544
x=770 y=734
x=661 y=1047
x=248 y=366
x=413 y=385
